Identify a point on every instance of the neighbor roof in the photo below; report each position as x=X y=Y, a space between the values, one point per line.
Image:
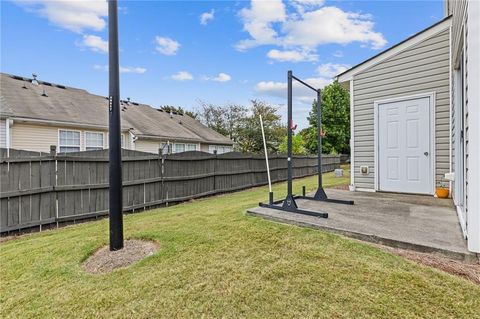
x=397 y=48
x=22 y=99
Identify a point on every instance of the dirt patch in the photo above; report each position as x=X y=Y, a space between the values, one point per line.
x=104 y=260
x=454 y=267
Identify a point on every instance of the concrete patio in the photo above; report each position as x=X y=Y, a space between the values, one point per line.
x=421 y=223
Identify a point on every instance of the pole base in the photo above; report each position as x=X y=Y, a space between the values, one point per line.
x=321 y=196
x=289 y=205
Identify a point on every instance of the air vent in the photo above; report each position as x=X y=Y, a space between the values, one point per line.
x=44 y=93
x=46 y=83
x=60 y=86
x=34 y=80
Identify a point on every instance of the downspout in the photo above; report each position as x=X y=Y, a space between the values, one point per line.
x=7 y=136
x=132 y=140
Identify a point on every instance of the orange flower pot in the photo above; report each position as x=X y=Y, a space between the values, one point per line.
x=442 y=192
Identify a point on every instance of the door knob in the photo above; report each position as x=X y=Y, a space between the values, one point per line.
x=426 y=153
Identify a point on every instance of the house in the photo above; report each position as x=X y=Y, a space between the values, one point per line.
x=36 y=114
x=415 y=115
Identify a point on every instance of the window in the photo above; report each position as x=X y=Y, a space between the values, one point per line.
x=93 y=141
x=191 y=147
x=219 y=148
x=68 y=141
x=179 y=148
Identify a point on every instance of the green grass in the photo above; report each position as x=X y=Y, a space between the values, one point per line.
x=215 y=262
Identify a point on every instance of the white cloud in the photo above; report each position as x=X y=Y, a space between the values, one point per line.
x=302 y=5
x=182 y=76
x=166 y=45
x=207 y=17
x=292 y=55
x=269 y=23
x=131 y=69
x=332 y=25
x=94 y=43
x=258 y=22
x=126 y=69
x=75 y=16
x=221 y=77
x=329 y=70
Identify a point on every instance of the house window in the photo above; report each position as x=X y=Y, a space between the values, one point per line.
x=191 y=147
x=93 y=141
x=69 y=141
x=219 y=148
x=179 y=148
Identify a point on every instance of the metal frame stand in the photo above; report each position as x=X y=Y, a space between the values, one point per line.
x=289 y=204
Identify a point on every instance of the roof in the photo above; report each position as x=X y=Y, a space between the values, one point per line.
x=397 y=48
x=47 y=102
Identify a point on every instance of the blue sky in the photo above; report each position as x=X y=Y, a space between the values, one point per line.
x=180 y=52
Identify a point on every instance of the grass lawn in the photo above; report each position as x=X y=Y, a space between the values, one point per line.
x=215 y=262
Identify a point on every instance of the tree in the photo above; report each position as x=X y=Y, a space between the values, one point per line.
x=335 y=121
x=213 y=117
x=179 y=110
x=298 y=145
x=249 y=135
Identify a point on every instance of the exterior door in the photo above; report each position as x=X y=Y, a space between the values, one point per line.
x=404 y=135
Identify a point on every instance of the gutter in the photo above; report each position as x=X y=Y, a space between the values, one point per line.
x=62 y=123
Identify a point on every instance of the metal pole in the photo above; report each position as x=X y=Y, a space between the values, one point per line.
x=289 y=137
x=266 y=156
x=115 y=150
x=319 y=129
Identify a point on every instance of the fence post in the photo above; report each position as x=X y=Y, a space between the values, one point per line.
x=53 y=181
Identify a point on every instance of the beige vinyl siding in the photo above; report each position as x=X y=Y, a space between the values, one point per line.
x=149 y=146
x=34 y=137
x=422 y=68
x=3 y=133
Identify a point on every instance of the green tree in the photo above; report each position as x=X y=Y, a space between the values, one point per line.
x=179 y=110
x=249 y=135
x=298 y=145
x=225 y=119
x=335 y=121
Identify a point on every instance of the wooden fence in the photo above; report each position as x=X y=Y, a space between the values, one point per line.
x=38 y=189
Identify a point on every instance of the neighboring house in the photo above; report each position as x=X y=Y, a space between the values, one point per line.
x=415 y=115
x=36 y=114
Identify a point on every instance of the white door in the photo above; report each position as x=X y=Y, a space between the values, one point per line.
x=404 y=150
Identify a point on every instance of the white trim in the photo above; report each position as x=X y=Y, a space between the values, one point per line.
x=450 y=79
x=69 y=130
x=94 y=132
x=63 y=124
x=132 y=140
x=461 y=220
x=7 y=136
x=367 y=190
x=395 y=50
x=352 y=134
x=473 y=48
x=431 y=96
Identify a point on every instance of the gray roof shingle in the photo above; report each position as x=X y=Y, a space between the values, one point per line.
x=21 y=98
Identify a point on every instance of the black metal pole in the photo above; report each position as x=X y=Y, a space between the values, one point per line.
x=319 y=129
x=289 y=137
x=115 y=148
